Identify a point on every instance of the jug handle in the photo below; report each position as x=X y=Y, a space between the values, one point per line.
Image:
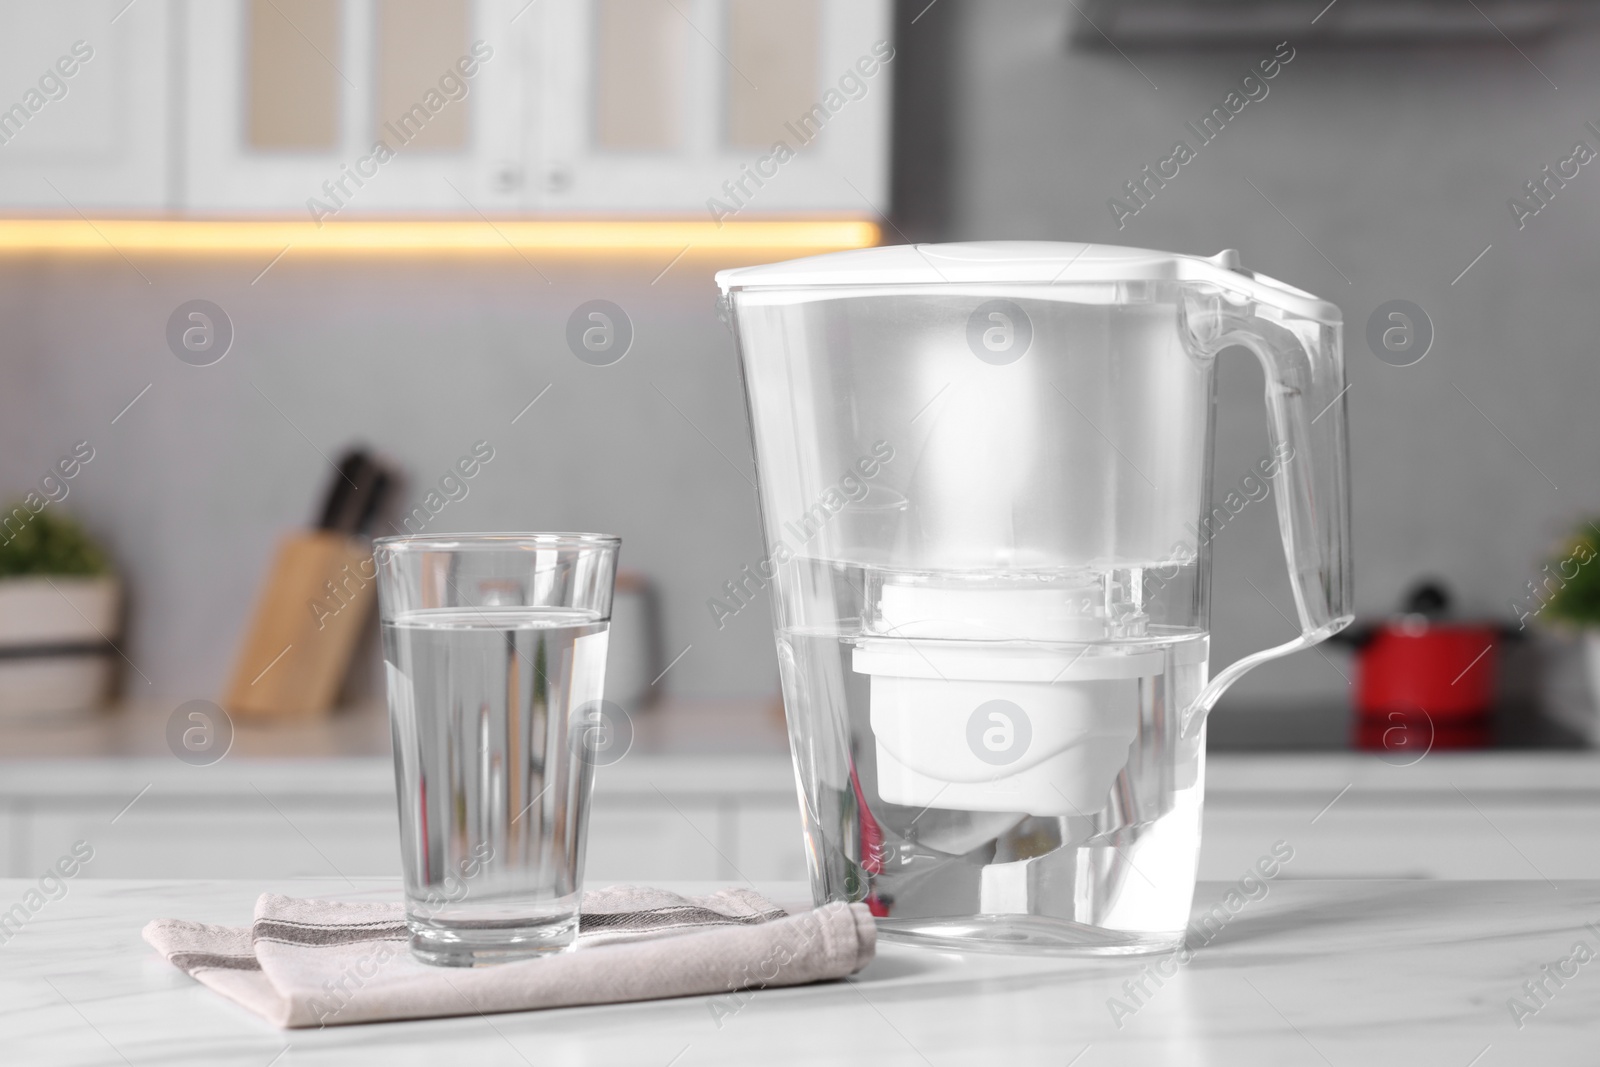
x=1303 y=365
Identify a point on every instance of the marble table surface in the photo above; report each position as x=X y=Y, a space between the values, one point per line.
x=1315 y=972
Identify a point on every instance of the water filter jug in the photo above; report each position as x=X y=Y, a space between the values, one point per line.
x=986 y=490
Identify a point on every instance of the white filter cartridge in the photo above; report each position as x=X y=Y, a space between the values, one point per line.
x=985 y=727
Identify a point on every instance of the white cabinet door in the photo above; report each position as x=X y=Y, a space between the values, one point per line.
x=84 y=116
x=771 y=841
x=340 y=108
x=634 y=840
x=208 y=837
x=1507 y=836
x=715 y=107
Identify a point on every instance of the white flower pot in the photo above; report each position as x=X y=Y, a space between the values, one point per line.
x=55 y=654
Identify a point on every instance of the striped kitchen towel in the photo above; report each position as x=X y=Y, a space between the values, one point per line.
x=314 y=963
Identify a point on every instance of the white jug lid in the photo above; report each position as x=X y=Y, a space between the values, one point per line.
x=1023 y=263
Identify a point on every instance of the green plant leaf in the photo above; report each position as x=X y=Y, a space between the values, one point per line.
x=1577 y=600
x=47 y=543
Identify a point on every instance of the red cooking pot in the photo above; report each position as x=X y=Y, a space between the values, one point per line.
x=1424 y=680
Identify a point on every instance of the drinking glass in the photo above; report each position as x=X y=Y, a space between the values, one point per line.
x=494 y=647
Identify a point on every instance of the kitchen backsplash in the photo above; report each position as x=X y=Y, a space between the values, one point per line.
x=192 y=484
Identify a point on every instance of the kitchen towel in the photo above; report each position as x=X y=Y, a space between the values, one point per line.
x=306 y=963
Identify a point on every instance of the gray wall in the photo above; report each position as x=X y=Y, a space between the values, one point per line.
x=1396 y=164
x=194 y=484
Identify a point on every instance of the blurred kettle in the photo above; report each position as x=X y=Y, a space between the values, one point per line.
x=635 y=655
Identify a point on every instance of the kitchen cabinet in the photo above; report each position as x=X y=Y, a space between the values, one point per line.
x=734 y=817
x=145 y=820
x=1483 y=816
x=652 y=818
x=242 y=835
x=1507 y=836
x=85 y=122
x=328 y=110
x=287 y=102
x=725 y=107
x=688 y=839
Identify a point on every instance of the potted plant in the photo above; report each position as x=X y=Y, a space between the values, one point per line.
x=58 y=614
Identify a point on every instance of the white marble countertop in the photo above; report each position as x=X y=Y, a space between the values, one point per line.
x=1315 y=972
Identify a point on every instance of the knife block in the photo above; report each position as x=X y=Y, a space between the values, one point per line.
x=307 y=623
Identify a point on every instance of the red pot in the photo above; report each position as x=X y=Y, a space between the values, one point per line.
x=1425 y=684
x=1445 y=669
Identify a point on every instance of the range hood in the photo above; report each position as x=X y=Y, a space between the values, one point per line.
x=1168 y=23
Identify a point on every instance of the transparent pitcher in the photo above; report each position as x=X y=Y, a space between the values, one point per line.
x=985 y=485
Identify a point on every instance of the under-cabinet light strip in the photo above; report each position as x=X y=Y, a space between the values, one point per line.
x=609 y=236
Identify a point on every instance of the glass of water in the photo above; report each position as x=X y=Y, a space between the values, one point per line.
x=495 y=650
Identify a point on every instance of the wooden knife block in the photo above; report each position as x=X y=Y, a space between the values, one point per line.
x=307 y=623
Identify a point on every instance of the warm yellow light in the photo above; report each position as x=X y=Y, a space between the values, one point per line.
x=255 y=236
